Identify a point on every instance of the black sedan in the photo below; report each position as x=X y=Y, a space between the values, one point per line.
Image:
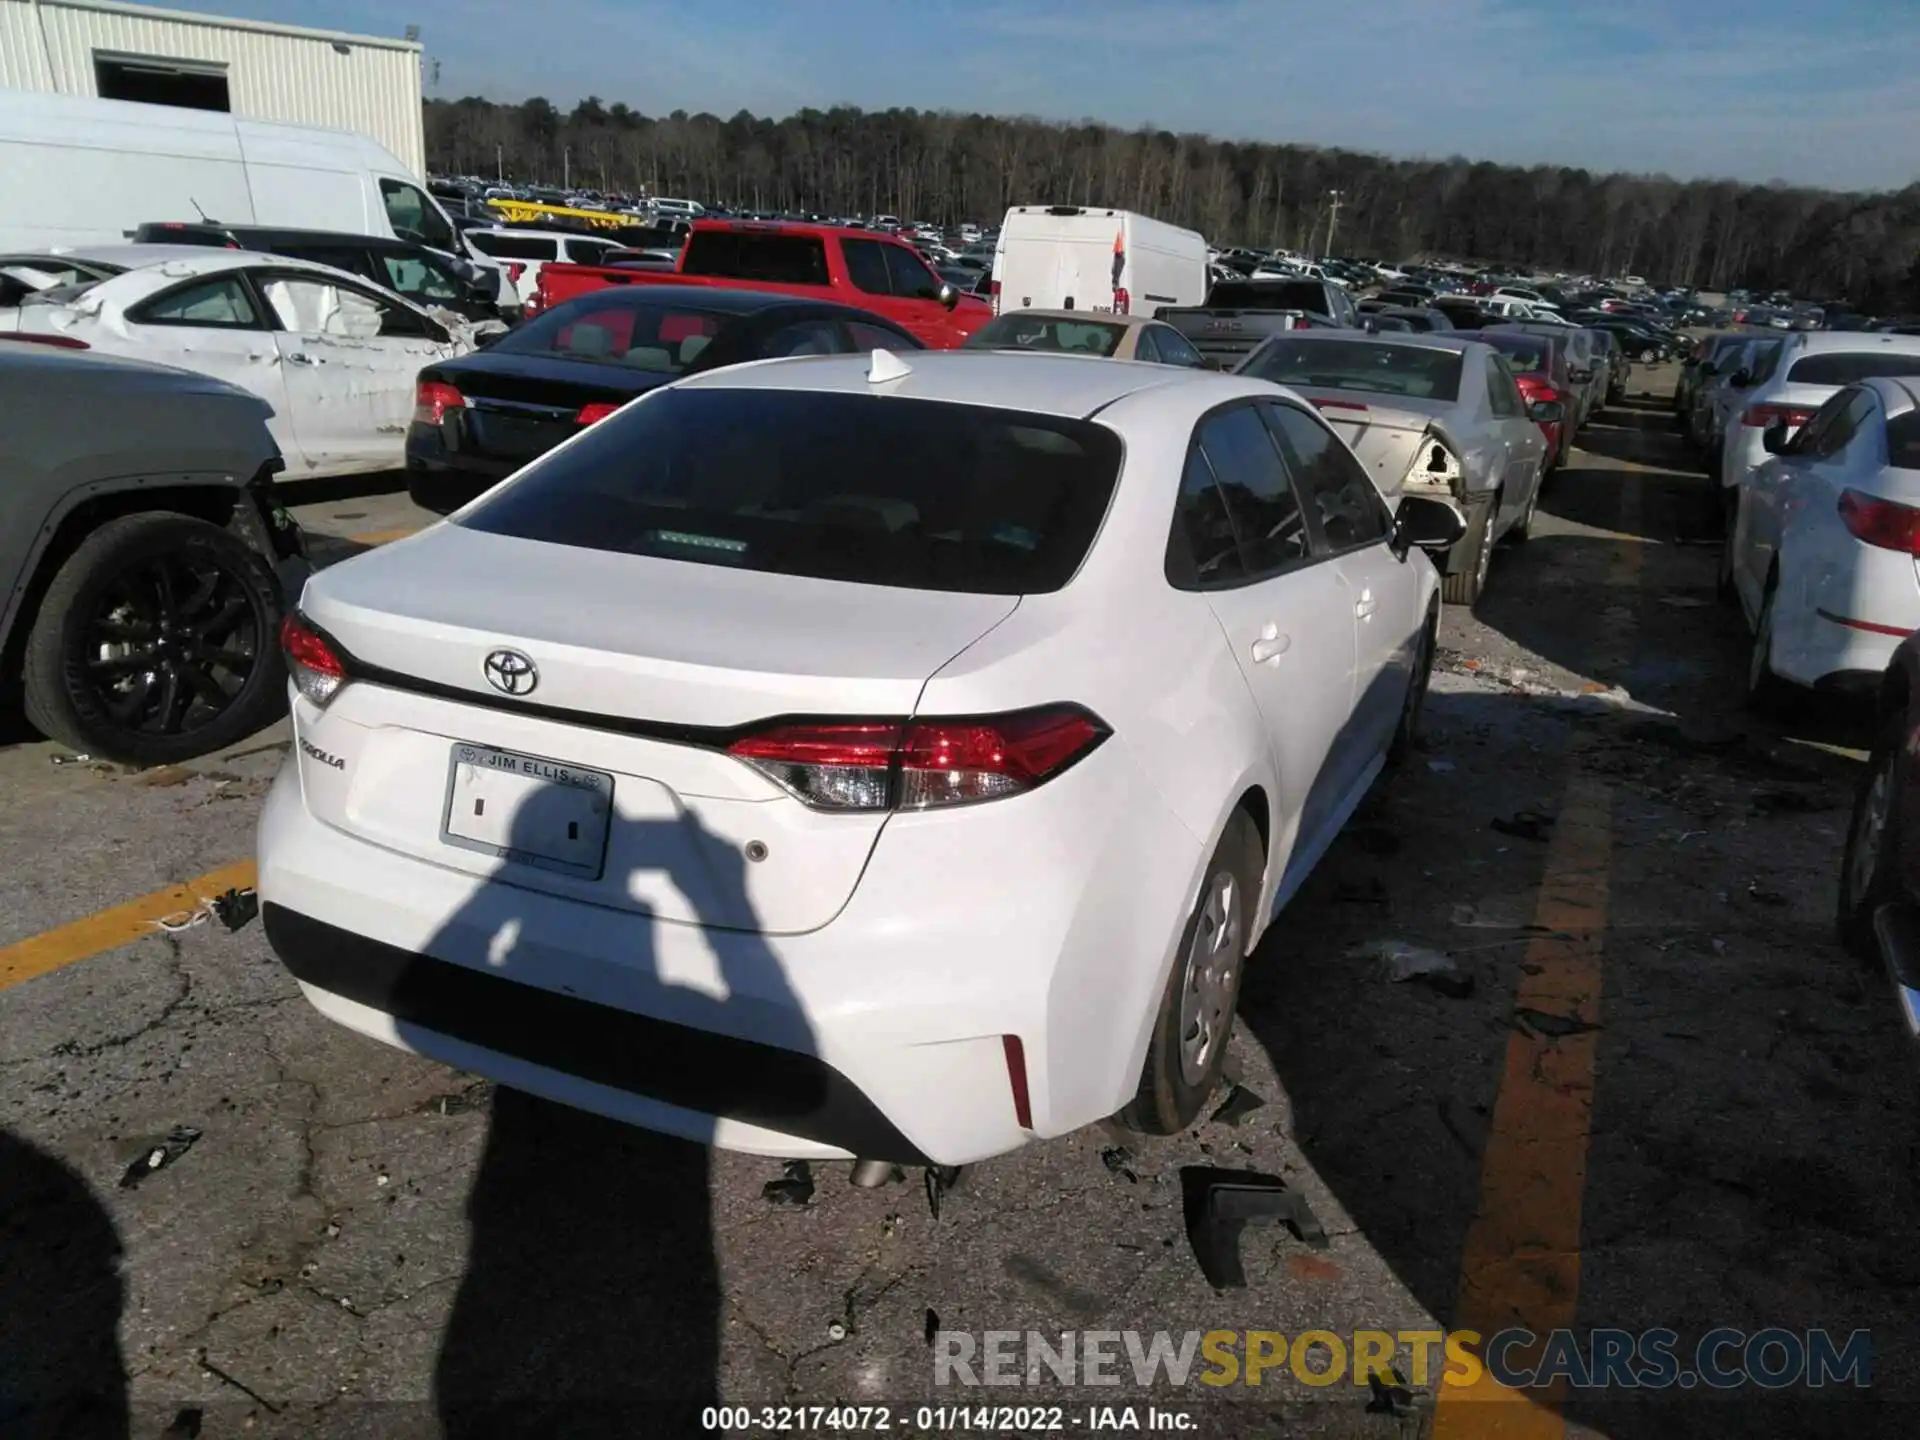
x=479 y=418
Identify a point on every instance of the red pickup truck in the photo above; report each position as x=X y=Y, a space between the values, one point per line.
x=854 y=267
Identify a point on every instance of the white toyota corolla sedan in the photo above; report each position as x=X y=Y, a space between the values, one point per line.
x=876 y=757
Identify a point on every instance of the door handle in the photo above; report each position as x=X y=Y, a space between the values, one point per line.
x=1271 y=645
x=1364 y=606
x=300 y=357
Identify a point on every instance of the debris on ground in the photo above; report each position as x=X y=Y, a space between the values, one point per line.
x=1218 y=1204
x=1684 y=602
x=80 y=759
x=165 y=777
x=1524 y=825
x=1552 y=1027
x=235 y=908
x=1765 y=895
x=1370 y=891
x=185 y=1424
x=836 y=1330
x=794 y=1187
x=1119 y=1160
x=1239 y=1104
x=1394 y=1399
x=159 y=1155
x=940 y=1180
x=931 y=1327
x=1401 y=961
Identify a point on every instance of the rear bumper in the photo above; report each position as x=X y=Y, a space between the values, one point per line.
x=442 y=480
x=881 y=1034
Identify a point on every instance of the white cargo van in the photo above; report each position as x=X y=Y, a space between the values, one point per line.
x=1070 y=257
x=83 y=171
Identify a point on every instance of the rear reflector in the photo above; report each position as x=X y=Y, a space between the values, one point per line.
x=1879 y=522
x=59 y=342
x=1017 y=1079
x=432 y=399
x=921 y=764
x=317 y=672
x=599 y=410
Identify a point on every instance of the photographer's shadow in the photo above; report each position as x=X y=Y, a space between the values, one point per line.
x=590 y=1302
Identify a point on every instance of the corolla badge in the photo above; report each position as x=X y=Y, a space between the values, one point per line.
x=510 y=672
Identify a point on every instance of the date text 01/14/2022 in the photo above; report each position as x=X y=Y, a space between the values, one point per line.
x=942 y=1419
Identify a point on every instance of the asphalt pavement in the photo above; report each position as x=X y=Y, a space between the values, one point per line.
x=1644 y=1088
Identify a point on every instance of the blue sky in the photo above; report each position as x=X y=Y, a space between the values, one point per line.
x=1825 y=93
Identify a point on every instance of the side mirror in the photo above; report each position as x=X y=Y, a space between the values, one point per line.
x=947 y=295
x=1547 y=412
x=1775 y=439
x=1425 y=523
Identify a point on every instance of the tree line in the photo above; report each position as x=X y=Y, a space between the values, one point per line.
x=947 y=168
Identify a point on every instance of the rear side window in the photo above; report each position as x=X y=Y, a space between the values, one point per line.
x=1903 y=441
x=752 y=255
x=865 y=489
x=661 y=339
x=867 y=266
x=223 y=303
x=1851 y=367
x=910 y=277
x=1341 y=499
x=1248 y=469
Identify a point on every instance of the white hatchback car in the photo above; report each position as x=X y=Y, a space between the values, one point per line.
x=873 y=757
x=1825 y=539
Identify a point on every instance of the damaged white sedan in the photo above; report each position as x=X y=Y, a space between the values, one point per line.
x=333 y=355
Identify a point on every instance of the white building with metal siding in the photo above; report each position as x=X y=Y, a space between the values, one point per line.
x=258 y=71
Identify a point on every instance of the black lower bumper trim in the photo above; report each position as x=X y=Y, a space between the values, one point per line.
x=698 y=1070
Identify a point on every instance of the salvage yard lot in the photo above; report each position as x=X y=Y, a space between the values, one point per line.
x=342 y=1239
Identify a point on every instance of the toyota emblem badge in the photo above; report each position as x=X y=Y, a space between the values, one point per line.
x=510 y=672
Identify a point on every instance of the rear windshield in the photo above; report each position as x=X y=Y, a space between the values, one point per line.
x=662 y=339
x=1412 y=370
x=1269 y=295
x=1036 y=332
x=755 y=255
x=1903 y=441
x=868 y=489
x=1523 y=352
x=1851 y=367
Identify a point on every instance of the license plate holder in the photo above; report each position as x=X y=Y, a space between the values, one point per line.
x=527 y=809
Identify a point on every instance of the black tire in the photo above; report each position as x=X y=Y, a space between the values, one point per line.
x=1469 y=559
x=1869 y=872
x=194 y=613
x=1766 y=692
x=1406 y=735
x=1172 y=1090
x=1729 y=522
x=1522 y=530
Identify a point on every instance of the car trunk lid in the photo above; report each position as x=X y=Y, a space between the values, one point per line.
x=606 y=778
x=1383 y=431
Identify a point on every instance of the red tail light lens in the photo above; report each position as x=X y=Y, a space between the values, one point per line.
x=59 y=342
x=993 y=295
x=432 y=399
x=317 y=672
x=921 y=764
x=599 y=410
x=1881 y=522
x=1759 y=417
x=515 y=269
x=1122 y=302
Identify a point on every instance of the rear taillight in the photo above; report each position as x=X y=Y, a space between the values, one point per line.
x=1122 y=302
x=317 y=672
x=1340 y=405
x=1880 y=522
x=1759 y=417
x=993 y=295
x=432 y=399
x=59 y=342
x=515 y=269
x=921 y=764
x=598 y=410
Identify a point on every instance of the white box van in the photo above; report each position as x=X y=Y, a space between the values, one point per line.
x=1069 y=257
x=83 y=171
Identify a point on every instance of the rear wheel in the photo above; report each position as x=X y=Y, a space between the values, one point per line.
x=1472 y=556
x=1523 y=528
x=1407 y=734
x=1729 y=526
x=1869 y=871
x=1189 y=1040
x=158 y=640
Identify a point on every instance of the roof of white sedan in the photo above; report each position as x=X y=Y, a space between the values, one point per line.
x=1067 y=385
x=181 y=259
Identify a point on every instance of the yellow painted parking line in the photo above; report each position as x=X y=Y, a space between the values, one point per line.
x=382 y=537
x=42 y=954
x=1521 y=1263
